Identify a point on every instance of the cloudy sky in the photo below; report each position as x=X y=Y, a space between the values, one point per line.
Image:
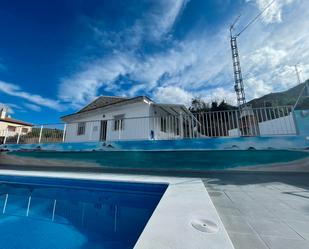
x=58 y=55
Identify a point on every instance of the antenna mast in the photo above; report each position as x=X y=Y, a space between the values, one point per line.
x=238 y=85
x=238 y=79
x=306 y=86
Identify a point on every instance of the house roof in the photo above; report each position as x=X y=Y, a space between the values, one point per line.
x=102 y=101
x=174 y=109
x=107 y=101
x=15 y=121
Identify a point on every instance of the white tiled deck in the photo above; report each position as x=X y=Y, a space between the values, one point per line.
x=263 y=211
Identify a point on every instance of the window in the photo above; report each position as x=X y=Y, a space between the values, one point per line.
x=163 y=124
x=119 y=122
x=11 y=128
x=81 y=128
x=24 y=130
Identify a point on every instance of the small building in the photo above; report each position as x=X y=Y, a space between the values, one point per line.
x=10 y=127
x=120 y=118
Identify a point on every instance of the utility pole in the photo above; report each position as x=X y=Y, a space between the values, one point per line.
x=306 y=86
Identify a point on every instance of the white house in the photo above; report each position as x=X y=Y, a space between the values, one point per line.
x=121 y=118
x=10 y=127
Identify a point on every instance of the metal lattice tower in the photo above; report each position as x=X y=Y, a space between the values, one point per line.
x=238 y=85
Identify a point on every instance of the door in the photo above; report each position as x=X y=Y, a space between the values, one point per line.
x=103 y=130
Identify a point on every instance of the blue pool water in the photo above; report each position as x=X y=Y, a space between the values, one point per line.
x=47 y=213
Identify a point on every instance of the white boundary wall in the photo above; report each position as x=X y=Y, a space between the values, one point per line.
x=279 y=126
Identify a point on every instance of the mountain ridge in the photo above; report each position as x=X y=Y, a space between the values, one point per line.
x=284 y=98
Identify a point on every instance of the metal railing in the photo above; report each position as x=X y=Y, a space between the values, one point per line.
x=231 y=123
x=36 y=134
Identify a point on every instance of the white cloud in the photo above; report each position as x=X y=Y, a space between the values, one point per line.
x=267 y=56
x=260 y=88
x=14 y=90
x=84 y=86
x=184 y=66
x=162 y=18
x=102 y=73
x=274 y=13
x=154 y=25
x=33 y=107
x=203 y=61
x=176 y=95
x=172 y=95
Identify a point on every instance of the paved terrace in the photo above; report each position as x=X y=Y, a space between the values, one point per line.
x=263 y=211
x=259 y=210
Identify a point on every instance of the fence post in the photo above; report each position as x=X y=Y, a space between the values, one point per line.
x=237 y=122
x=294 y=121
x=64 y=132
x=119 y=128
x=19 y=133
x=91 y=130
x=6 y=135
x=40 y=137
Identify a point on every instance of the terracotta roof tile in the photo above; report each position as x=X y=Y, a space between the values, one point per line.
x=15 y=121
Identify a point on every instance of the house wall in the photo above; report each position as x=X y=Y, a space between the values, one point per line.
x=4 y=126
x=171 y=126
x=133 y=128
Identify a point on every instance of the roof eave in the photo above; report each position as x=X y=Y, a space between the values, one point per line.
x=142 y=98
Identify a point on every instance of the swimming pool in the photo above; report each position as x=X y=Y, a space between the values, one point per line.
x=38 y=212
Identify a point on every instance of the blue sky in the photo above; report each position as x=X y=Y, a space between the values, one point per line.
x=56 y=56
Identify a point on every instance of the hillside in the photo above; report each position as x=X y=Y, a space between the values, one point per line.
x=287 y=97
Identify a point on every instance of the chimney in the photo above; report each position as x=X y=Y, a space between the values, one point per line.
x=3 y=111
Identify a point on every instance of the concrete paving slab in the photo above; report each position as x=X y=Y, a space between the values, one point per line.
x=273 y=228
x=228 y=211
x=275 y=208
x=283 y=243
x=289 y=215
x=255 y=211
x=221 y=199
x=236 y=224
x=251 y=241
x=301 y=227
